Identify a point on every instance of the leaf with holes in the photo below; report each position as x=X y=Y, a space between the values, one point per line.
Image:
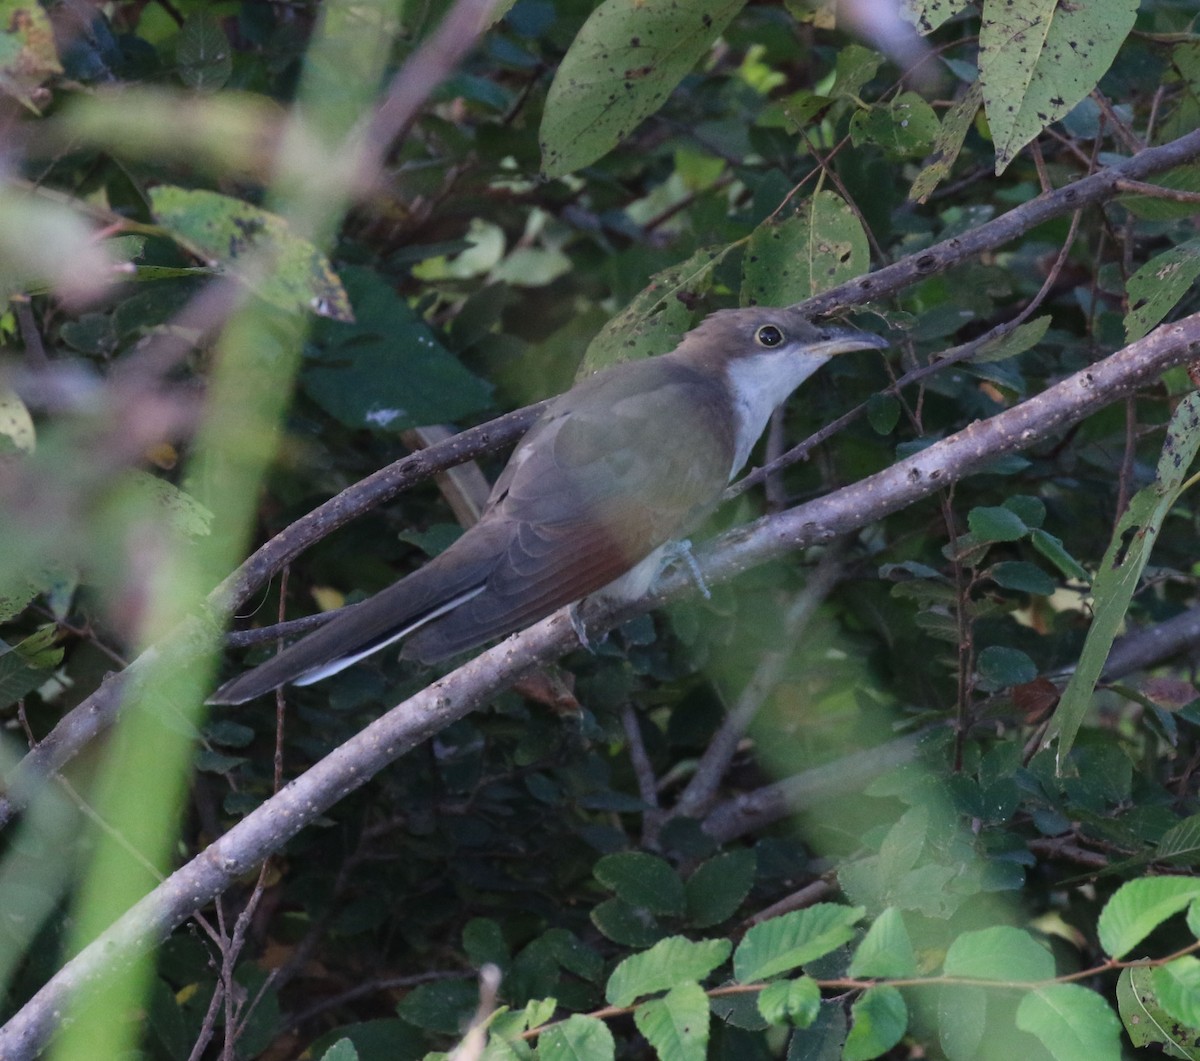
x=1156 y=288
x=253 y=245
x=621 y=67
x=1145 y=1020
x=820 y=247
x=1038 y=58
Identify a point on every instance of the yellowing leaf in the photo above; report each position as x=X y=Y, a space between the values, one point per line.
x=1038 y=58
x=621 y=67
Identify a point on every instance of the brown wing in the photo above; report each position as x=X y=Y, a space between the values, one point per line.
x=617 y=467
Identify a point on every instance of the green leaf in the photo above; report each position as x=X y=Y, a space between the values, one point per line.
x=1023 y=577
x=445 y=1006
x=1038 y=58
x=483 y=942
x=1157 y=287
x=578 y=1038
x=538 y=1011
x=243 y=239
x=1145 y=1020
x=717 y=887
x=1032 y=510
x=856 y=66
x=676 y=1025
x=927 y=15
x=1003 y=667
x=1180 y=843
x=1052 y=549
x=668 y=963
x=184 y=512
x=342 y=1050
x=1177 y=985
x=499 y=1049
x=783 y=943
x=1138 y=907
x=1020 y=339
x=996 y=524
x=955 y=125
x=883 y=412
x=17 y=677
x=1072 y=1023
x=386 y=372
x=905 y=127
x=630 y=926
x=998 y=953
x=623 y=64
x=795 y=1002
x=877 y=1022
x=655 y=320
x=823 y=1039
x=886 y=950
x=203 y=53
x=822 y=245
x=1122 y=567
x=961 y=1020
x=642 y=880
x=1185 y=178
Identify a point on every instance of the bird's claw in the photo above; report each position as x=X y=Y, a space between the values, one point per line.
x=681 y=552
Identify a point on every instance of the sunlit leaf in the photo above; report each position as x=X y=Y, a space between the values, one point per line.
x=1072 y=1023
x=998 y=953
x=665 y=965
x=676 y=1025
x=783 y=943
x=790 y=1001
x=886 y=950
x=577 y=1038
x=1138 y=907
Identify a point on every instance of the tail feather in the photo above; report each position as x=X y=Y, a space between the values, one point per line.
x=359 y=630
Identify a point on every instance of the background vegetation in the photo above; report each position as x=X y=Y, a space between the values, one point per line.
x=890 y=796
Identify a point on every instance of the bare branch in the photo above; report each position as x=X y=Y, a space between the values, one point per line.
x=942 y=256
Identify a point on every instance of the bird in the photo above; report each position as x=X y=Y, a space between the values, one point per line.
x=613 y=472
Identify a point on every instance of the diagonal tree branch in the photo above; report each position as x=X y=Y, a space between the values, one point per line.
x=267 y=828
x=1107 y=184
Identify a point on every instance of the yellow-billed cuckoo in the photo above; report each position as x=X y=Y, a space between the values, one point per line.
x=615 y=469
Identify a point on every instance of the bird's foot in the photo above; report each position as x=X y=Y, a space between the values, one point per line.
x=575 y=614
x=680 y=552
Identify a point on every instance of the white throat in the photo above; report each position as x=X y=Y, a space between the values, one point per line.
x=758 y=385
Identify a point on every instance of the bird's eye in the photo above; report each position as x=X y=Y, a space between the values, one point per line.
x=768 y=335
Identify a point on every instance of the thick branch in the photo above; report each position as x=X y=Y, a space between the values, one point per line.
x=267 y=828
x=1087 y=191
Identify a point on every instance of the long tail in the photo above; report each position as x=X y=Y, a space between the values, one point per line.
x=434 y=590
